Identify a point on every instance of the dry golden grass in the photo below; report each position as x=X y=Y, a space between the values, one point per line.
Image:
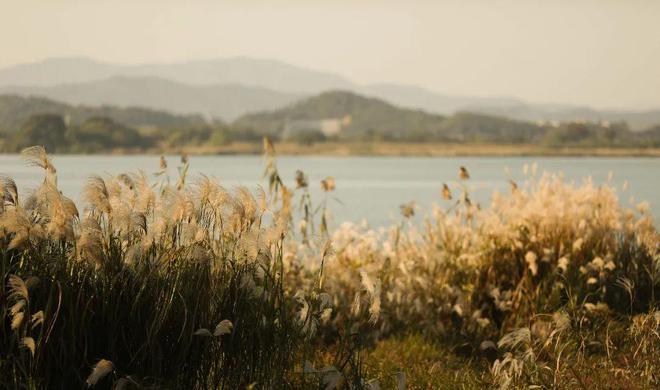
x=558 y=273
x=188 y=284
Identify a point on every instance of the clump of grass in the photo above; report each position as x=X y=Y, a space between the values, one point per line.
x=471 y=275
x=128 y=285
x=487 y=270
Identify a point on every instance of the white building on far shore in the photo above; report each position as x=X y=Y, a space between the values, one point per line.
x=328 y=126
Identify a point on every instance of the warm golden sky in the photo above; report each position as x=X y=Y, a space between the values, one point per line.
x=602 y=52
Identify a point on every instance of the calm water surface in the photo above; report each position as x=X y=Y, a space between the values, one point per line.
x=369 y=188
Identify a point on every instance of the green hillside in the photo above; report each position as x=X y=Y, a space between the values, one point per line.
x=16 y=110
x=369 y=117
x=331 y=116
x=472 y=127
x=96 y=134
x=224 y=101
x=372 y=118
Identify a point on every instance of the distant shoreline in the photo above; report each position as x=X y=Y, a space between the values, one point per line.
x=415 y=150
x=395 y=149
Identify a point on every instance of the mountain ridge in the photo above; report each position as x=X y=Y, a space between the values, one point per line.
x=282 y=83
x=219 y=101
x=265 y=73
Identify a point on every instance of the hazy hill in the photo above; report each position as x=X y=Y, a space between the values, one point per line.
x=226 y=101
x=70 y=78
x=230 y=87
x=636 y=120
x=374 y=118
x=368 y=115
x=15 y=110
x=54 y=71
x=261 y=73
x=421 y=98
x=476 y=127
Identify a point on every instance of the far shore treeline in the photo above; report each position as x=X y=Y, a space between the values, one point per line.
x=336 y=116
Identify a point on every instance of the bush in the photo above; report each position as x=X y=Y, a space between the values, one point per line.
x=100 y=134
x=477 y=273
x=45 y=129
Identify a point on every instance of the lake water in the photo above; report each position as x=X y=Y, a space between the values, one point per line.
x=368 y=187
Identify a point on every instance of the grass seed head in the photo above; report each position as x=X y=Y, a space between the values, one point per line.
x=99 y=371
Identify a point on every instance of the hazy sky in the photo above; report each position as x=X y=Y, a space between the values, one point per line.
x=602 y=53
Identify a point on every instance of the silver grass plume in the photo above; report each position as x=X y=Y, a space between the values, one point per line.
x=37 y=156
x=100 y=370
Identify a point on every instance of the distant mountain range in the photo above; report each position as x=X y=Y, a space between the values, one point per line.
x=637 y=120
x=225 y=101
x=420 y=98
x=250 y=72
x=228 y=88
